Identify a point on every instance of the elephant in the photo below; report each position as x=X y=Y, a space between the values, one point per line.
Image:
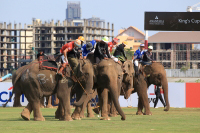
x=41 y=83
x=109 y=77
x=127 y=84
x=150 y=74
x=83 y=97
x=156 y=75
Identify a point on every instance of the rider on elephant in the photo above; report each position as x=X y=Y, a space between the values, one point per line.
x=88 y=48
x=112 y=44
x=119 y=53
x=69 y=51
x=137 y=57
x=147 y=56
x=40 y=55
x=101 y=50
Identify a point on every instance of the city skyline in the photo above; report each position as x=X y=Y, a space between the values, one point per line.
x=122 y=13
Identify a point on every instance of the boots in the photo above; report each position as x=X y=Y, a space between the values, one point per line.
x=61 y=69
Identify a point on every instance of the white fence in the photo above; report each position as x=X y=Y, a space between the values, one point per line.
x=193 y=73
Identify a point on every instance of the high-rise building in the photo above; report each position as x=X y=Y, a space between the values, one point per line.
x=73 y=10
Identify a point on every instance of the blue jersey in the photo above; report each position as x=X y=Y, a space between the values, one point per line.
x=138 y=54
x=85 y=52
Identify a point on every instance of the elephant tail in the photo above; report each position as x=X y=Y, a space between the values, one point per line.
x=4 y=105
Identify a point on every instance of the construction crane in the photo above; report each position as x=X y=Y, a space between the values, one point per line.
x=194 y=7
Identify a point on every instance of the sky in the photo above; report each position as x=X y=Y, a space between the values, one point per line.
x=123 y=13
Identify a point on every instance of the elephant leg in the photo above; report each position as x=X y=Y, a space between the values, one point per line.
x=17 y=100
x=140 y=107
x=36 y=110
x=89 y=110
x=65 y=103
x=76 y=113
x=49 y=99
x=113 y=110
x=25 y=114
x=144 y=99
x=42 y=102
x=59 y=112
x=56 y=101
x=104 y=110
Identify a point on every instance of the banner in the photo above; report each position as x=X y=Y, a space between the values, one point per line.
x=192 y=95
x=176 y=95
x=172 y=21
x=5 y=94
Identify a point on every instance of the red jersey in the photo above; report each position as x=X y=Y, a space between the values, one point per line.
x=110 y=45
x=68 y=46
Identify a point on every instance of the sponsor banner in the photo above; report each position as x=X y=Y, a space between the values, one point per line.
x=6 y=92
x=176 y=92
x=172 y=21
x=192 y=95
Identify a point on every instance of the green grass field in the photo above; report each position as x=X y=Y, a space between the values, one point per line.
x=176 y=120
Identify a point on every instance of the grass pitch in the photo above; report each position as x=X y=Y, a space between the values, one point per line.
x=176 y=120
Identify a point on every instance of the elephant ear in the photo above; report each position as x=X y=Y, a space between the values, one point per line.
x=147 y=70
x=80 y=69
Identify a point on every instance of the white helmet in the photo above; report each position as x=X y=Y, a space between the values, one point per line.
x=150 y=47
x=142 y=45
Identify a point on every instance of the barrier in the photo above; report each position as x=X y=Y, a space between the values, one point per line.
x=5 y=94
x=180 y=95
x=192 y=95
x=176 y=92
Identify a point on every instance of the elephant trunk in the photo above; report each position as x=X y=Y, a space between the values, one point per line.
x=85 y=98
x=116 y=103
x=128 y=93
x=164 y=84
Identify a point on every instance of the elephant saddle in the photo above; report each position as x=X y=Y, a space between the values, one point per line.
x=48 y=64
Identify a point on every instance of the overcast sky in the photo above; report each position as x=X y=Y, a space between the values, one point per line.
x=123 y=13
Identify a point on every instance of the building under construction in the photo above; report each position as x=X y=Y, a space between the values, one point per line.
x=17 y=44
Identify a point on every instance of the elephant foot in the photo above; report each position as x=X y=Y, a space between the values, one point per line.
x=76 y=118
x=58 y=115
x=17 y=105
x=39 y=118
x=139 y=113
x=66 y=119
x=49 y=106
x=96 y=110
x=25 y=114
x=82 y=116
x=113 y=115
x=105 y=118
x=90 y=115
x=41 y=106
x=147 y=113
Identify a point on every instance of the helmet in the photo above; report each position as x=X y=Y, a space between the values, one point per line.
x=81 y=38
x=93 y=42
x=150 y=47
x=105 y=39
x=142 y=45
x=125 y=43
x=89 y=46
x=115 y=40
x=77 y=43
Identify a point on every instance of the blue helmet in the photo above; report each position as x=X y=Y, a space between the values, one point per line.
x=93 y=42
